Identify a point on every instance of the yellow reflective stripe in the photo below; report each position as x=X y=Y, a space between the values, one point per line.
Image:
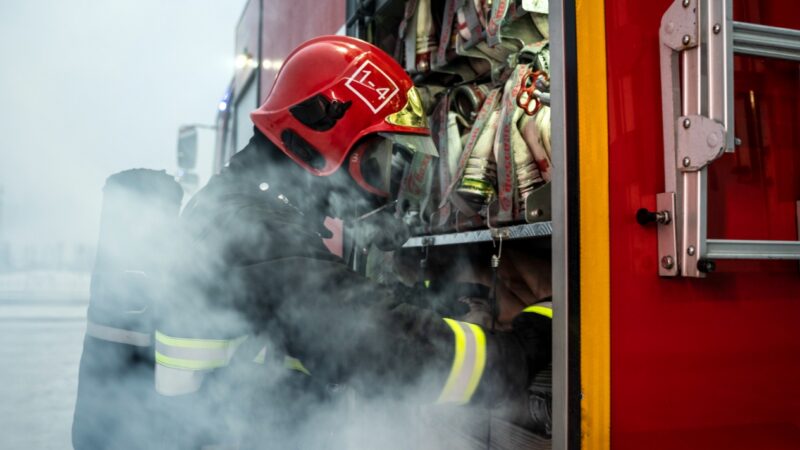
x=469 y=362
x=196 y=343
x=295 y=364
x=458 y=361
x=542 y=310
x=480 y=361
x=189 y=364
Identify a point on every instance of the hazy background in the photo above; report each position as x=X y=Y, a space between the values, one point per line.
x=92 y=87
x=87 y=88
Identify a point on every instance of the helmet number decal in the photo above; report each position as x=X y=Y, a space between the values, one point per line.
x=372 y=86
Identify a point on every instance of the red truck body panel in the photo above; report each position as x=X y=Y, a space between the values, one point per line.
x=714 y=362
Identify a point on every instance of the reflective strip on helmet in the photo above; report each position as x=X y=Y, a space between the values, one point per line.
x=194 y=354
x=468 y=363
x=118 y=335
x=544 y=309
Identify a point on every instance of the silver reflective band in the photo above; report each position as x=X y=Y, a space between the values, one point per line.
x=171 y=382
x=118 y=335
x=468 y=363
x=195 y=354
x=181 y=363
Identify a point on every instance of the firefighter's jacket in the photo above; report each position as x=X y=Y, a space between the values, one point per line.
x=261 y=314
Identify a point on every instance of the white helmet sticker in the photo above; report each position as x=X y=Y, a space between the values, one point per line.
x=372 y=86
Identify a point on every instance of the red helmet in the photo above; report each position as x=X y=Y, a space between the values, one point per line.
x=331 y=92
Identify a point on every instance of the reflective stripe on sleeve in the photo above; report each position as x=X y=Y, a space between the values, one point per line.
x=468 y=363
x=181 y=363
x=118 y=335
x=195 y=354
x=540 y=309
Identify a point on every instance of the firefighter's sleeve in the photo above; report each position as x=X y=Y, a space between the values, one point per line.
x=345 y=328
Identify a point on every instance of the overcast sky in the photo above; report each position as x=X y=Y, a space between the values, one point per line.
x=92 y=87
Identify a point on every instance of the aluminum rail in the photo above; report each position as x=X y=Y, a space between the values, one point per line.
x=770 y=42
x=739 y=249
x=531 y=230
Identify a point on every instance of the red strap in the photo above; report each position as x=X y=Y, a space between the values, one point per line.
x=500 y=10
x=503 y=153
x=447 y=30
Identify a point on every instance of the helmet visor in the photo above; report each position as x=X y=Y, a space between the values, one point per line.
x=380 y=163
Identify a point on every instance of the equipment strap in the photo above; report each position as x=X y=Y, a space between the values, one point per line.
x=118 y=335
x=469 y=362
x=450 y=8
x=489 y=105
x=497 y=19
x=416 y=186
x=402 y=29
x=469 y=24
x=504 y=154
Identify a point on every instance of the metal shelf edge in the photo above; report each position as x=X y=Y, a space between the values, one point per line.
x=530 y=230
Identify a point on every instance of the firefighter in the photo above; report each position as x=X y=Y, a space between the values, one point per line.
x=256 y=287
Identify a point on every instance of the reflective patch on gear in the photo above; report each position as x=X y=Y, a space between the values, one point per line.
x=182 y=362
x=289 y=362
x=118 y=335
x=261 y=356
x=543 y=309
x=468 y=363
x=295 y=364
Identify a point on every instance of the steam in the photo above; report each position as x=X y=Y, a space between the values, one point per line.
x=83 y=105
x=244 y=262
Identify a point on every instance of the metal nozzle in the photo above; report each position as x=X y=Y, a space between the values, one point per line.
x=480 y=177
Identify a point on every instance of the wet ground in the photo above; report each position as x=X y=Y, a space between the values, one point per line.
x=41 y=338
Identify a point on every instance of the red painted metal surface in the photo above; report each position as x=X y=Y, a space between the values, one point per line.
x=704 y=363
x=288 y=24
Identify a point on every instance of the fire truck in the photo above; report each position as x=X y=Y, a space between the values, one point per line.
x=671 y=207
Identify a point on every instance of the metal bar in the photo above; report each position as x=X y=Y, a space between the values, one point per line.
x=769 y=42
x=693 y=96
x=738 y=249
x=670 y=103
x=694 y=222
x=539 y=229
x=560 y=244
x=718 y=69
